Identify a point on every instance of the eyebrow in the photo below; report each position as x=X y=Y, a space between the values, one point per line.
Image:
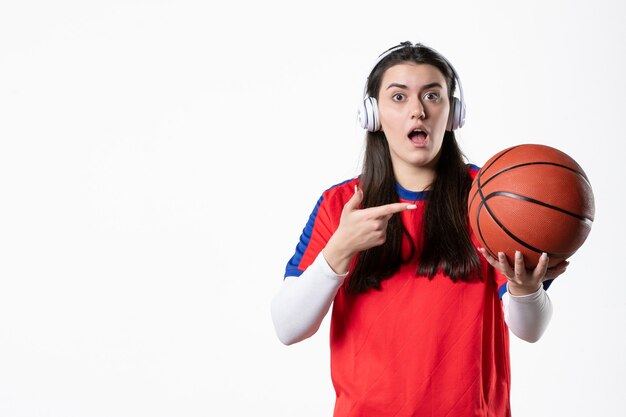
x=424 y=87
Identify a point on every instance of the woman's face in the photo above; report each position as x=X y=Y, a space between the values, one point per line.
x=413 y=106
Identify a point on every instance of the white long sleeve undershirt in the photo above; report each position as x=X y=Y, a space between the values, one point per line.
x=302 y=302
x=527 y=316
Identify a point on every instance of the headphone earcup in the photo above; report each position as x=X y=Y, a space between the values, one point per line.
x=362 y=114
x=457 y=115
x=368 y=114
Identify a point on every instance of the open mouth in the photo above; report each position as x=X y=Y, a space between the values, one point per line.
x=418 y=136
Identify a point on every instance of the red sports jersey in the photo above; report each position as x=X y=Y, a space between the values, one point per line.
x=419 y=346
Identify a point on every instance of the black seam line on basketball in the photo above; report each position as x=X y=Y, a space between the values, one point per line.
x=480 y=232
x=507 y=231
x=482 y=171
x=484 y=203
x=511 y=235
x=495 y=160
x=540 y=203
x=581 y=174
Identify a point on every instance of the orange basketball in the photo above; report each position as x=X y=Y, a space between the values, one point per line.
x=531 y=198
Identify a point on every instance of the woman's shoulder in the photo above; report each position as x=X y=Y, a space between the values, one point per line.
x=473 y=170
x=341 y=192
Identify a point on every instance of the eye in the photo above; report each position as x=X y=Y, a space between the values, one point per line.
x=432 y=96
x=397 y=97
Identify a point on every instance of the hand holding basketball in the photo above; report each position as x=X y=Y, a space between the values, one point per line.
x=523 y=281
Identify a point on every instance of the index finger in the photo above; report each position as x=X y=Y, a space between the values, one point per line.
x=389 y=209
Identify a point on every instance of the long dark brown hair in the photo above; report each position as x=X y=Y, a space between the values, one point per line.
x=447 y=245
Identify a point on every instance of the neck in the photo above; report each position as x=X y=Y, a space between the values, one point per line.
x=415 y=178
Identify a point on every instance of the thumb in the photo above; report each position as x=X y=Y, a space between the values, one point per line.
x=355 y=201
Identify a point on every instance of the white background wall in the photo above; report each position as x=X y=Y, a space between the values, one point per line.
x=158 y=160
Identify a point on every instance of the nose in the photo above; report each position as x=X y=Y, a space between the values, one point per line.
x=418 y=110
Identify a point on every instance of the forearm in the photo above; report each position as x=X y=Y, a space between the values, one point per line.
x=528 y=316
x=302 y=302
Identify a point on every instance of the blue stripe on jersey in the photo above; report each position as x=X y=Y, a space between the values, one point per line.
x=405 y=194
x=292 y=266
x=473 y=167
x=502 y=289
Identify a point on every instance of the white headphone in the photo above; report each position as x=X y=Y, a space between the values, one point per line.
x=368 y=110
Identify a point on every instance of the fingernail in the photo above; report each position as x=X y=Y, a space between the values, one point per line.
x=356 y=188
x=544 y=255
x=518 y=254
x=411 y=207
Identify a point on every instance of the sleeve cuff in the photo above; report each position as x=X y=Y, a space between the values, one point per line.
x=327 y=270
x=528 y=298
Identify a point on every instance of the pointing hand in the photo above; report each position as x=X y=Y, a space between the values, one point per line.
x=359 y=229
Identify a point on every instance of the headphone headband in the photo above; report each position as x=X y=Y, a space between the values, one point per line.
x=368 y=111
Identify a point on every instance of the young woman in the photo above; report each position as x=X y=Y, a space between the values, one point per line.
x=420 y=319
